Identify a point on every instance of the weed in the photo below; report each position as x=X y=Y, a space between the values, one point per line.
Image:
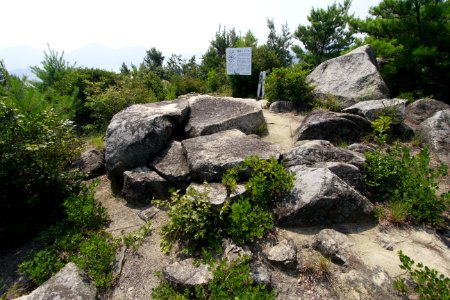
x=136 y=238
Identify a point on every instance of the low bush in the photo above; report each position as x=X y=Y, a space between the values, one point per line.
x=427 y=282
x=34 y=152
x=195 y=224
x=230 y=281
x=288 y=84
x=79 y=238
x=415 y=192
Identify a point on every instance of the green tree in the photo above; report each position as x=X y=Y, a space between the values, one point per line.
x=153 y=61
x=327 y=35
x=280 y=43
x=54 y=67
x=419 y=32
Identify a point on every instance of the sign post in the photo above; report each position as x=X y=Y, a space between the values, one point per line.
x=239 y=61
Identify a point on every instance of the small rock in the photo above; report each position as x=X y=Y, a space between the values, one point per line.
x=148 y=214
x=186 y=274
x=217 y=192
x=334 y=245
x=91 y=163
x=283 y=255
x=234 y=252
x=142 y=185
x=281 y=107
x=260 y=274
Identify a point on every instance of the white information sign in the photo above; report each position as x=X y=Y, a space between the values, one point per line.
x=239 y=61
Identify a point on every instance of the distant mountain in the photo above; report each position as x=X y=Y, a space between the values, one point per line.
x=18 y=59
x=24 y=72
x=103 y=57
x=21 y=57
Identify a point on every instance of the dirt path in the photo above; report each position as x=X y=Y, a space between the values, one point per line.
x=281 y=128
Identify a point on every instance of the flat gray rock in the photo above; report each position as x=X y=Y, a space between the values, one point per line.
x=320 y=197
x=371 y=109
x=334 y=127
x=69 y=283
x=435 y=131
x=281 y=107
x=351 y=78
x=187 y=274
x=312 y=152
x=171 y=164
x=214 y=114
x=138 y=132
x=210 y=156
x=142 y=185
x=91 y=163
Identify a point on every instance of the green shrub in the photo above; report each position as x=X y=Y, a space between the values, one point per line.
x=381 y=127
x=136 y=238
x=245 y=223
x=288 y=84
x=233 y=281
x=416 y=191
x=193 y=222
x=84 y=212
x=34 y=151
x=41 y=266
x=326 y=102
x=428 y=283
x=97 y=255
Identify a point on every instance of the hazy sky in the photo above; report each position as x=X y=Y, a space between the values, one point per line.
x=170 y=26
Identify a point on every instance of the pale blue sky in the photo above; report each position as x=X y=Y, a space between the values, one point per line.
x=170 y=26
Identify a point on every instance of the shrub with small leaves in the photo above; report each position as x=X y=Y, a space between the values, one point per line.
x=41 y=265
x=428 y=283
x=288 y=84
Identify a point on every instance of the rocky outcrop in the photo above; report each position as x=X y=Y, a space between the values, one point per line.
x=347 y=172
x=310 y=153
x=371 y=109
x=209 y=156
x=350 y=78
x=91 y=163
x=141 y=185
x=333 y=127
x=171 y=164
x=283 y=255
x=435 y=131
x=335 y=245
x=187 y=274
x=217 y=192
x=320 y=197
x=214 y=114
x=138 y=132
x=422 y=109
x=69 y=283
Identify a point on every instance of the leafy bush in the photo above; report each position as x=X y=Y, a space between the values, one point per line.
x=418 y=185
x=97 y=255
x=245 y=223
x=84 y=212
x=192 y=222
x=288 y=84
x=230 y=281
x=428 y=284
x=381 y=126
x=34 y=151
x=233 y=281
x=43 y=265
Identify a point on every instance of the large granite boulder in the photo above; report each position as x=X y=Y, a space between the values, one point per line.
x=351 y=78
x=320 y=197
x=140 y=131
x=214 y=114
x=171 y=164
x=141 y=185
x=69 y=283
x=310 y=153
x=422 y=109
x=210 y=156
x=334 y=127
x=371 y=109
x=187 y=274
x=435 y=131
